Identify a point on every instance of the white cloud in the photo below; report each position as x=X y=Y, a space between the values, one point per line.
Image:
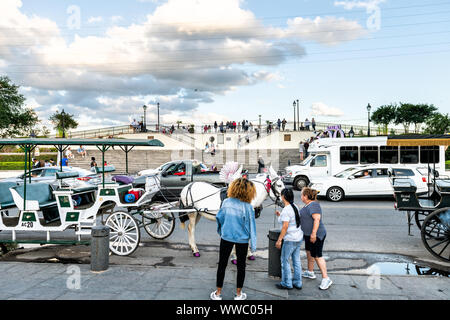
x=321 y=109
x=185 y=53
x=116 y=19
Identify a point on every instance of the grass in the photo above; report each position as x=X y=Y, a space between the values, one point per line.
x=447 y=165
x=11 y=165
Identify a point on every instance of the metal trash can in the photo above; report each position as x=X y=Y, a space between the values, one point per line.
x=100 y=248
x=274 y=254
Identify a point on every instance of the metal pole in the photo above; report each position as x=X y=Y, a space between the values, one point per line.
x=298 y=114
x=103 y=165
x=25 y=180
x=368 y=130
x=29 y=165
x=126 y=158
x=295 y=119
x=158 y=118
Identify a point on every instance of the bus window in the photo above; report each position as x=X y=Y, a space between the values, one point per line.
x=389 y=155
x=426 y=154
x=349 y=155
x=369 y=155
x=409 y=154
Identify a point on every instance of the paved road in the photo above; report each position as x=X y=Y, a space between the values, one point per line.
x=361 y=233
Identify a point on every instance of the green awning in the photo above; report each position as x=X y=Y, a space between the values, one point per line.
x=82 y=142
x=419 y=140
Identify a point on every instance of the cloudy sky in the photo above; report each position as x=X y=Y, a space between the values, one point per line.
x=206 y=60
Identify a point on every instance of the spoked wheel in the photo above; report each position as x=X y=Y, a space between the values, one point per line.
x=158 y=225
x=420 y=217
x=125 y=235
x=335 y=194
x=436 y=234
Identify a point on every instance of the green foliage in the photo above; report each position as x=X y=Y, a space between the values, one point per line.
x=63 y=120
x=18 y=157
x=15 y=118
x=438 y=124
x=416 y=114
x=12 y=165
x=385 y=115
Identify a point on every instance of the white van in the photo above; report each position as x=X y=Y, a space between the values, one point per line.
x=328 y=157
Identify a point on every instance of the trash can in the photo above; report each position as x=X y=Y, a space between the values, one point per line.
x=100 y=248
x=274 y=254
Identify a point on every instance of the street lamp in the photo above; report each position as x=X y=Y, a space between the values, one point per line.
x=157 y=129
x=260 y=122
x=144 y=123
x=298 y=114
x=368 y=110
x=295 y=119
x=63 y=114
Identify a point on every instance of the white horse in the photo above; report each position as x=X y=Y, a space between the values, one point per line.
x=206 y=199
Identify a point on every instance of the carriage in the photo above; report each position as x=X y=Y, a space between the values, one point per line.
x=431 y=213
x=28 y=210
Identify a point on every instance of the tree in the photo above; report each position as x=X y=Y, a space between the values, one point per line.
x=385 y=115
x=63 y=121
x=438 y=124
x=416 y=114
x=15 y=119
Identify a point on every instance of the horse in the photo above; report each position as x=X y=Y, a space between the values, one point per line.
x=207 y=200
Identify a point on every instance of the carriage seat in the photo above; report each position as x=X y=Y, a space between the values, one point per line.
x=66 y=175
x=443 y=186
x=404 y=185
x=39 y=196
x=6 y=198
x=121 y=180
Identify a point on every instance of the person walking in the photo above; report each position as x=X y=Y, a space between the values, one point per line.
x=261 y=165
x=314 y=236
x=215 y=126
x=292 y=235
x=283 y=124
x=313 y=121
x=236 y=226
x=306 y=145
x=307 y=124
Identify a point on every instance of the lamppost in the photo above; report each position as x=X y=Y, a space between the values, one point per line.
x=144 y=123
x=260 y=122
x=157 y=129
x=295 y=118
x=63 y=114
x=298 y=114
x=369 y=107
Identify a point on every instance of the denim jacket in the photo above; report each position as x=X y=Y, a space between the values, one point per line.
x=236 y=222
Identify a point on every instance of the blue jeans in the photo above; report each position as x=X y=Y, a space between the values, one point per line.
x=291 y=249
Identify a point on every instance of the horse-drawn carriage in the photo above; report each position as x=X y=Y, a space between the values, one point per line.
x=29 y=209
x=431 y=213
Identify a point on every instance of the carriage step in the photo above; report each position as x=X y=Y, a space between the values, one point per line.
x=83 y=233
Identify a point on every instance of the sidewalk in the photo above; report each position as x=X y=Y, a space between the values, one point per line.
x=45 y=281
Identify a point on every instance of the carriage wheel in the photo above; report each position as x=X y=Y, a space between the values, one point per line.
x=420 y=217
x=124 y=236
x=436 y=234
x=158 y=225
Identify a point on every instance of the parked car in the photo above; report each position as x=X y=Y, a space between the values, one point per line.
x=328 y=157
x=49 y=174
x=178 y=174
x=366 y=181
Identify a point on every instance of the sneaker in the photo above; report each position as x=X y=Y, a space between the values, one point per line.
x=309 y=275
x=297 y=287
x=243 y=296
x=326 y=283
x=214 y=296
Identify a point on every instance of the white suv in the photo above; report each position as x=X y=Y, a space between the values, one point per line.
x=365 y=181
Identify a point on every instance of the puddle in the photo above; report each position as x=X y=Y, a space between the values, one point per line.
x=398 y=268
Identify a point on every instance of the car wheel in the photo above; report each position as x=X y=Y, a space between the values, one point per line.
x=301 y=183
x=335 y=194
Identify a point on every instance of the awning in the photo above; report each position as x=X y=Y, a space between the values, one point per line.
x=81 y=142
x=419 y=140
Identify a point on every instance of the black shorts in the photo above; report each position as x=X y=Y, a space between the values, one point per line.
x=314 y=248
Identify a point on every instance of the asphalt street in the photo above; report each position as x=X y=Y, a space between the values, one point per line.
x=361 y=234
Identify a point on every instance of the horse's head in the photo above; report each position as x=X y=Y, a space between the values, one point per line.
x=277 y=185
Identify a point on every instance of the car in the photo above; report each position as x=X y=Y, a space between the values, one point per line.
x=48 y=174
x=150 y=172
x=367 y=181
